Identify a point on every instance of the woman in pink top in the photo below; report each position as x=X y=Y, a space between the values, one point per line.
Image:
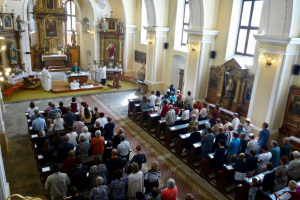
x=195 y=111
x=78 y=125
x=171 y=192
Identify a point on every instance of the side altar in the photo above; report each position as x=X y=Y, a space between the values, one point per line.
x=111 y=41
x=230 y=85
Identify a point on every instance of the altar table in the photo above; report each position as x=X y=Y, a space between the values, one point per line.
x=12 y=80
x=82 y=77
x=54 y=60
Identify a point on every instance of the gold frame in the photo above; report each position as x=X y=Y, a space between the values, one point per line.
x=11 y=21
x=58 y=27
x=116 y=24
x=47 y=6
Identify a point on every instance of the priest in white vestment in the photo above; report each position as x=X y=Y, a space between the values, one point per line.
x=43 y=77
x=97 y=75
x=103 y=75
x=48 y=84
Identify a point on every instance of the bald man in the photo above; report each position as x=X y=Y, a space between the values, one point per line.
x=113 y=164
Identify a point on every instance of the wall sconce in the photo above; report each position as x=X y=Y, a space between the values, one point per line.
x=270 y=58
x=192 y=46
x=90 y=32
x=149 y=40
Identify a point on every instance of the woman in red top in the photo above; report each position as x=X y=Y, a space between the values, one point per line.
x=199 y=105
x=74 y=106
x=290 y=194
x=216 y=114
x=69 y=163
x=165 y=109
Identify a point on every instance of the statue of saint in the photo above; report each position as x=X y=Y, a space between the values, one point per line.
x=111 y=48
x=45 y=42
x=12 y=53
x=52 y=43
x=19 y=21
x=68 y=48
x=229 y=89
x=121 y=27
x=101 y=24
x=73 y=38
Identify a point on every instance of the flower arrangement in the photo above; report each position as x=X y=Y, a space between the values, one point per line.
x=222 y=105
x=68 y=72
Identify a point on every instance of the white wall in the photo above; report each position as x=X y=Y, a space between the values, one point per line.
x=178 y=62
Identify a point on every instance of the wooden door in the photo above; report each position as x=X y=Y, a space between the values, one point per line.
x=181 y=75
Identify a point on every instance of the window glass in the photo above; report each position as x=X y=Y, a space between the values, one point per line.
x=256 y=13
x=242 y=40
x=68 y=8
x=73 y=8
x=187 y=14
x=251 y=42
x=246 y=13
x=186 y=23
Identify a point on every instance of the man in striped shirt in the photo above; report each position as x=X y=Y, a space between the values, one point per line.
x=53 y=112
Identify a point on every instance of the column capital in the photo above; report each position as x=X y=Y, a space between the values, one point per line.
x=156 y=29
x=199 y=32
x=132 y=26
x=276 y=40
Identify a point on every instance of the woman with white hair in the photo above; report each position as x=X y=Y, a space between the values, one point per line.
x=289 y=194
x=248 y=128
x=204 y=131
x=86 y=134
x=97 y=143
x=58 y=122
x=171 y=191
x=100 y=192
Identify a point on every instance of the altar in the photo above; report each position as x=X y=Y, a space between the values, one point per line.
x=54 y=60
x=82 y=77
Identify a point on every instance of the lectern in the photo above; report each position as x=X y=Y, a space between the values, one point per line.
x=142 y=87
x=115 y=83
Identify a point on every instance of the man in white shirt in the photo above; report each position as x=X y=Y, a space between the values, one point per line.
x=152 y=99
x=102 y=75
x=72 y=136
x=263 y=159
x=235 y=122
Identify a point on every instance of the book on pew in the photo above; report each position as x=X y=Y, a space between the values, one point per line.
x=42 y=111
x=197 y=145
x=40 y=157
x=30 y=128
x=45 y=169
x=35 y=146
x=26 y=114
x=229 y=167
x=172 y=128
x=34 y=136
x=28 y=120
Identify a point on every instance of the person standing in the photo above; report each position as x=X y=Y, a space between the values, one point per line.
x=75 y=68
x=235 y=122
x=285 y=148
x=263 y=159
x=102 y=75
x=43 y=77
x=216 y=114
x=47 y=78
x=188 y=99
x=263 y=136
x=275 y=151
x=170 y=117
x=207 y=142
x=233 y=148
x=152 y=100
x=248 y=128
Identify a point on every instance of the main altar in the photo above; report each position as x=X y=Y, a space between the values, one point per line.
x=230 y=85
x=51 y=47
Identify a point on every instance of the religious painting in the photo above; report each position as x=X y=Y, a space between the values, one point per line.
x=214 y=81
x=142 y=57
x=293 y=107
x=137 y=56
x=8 y=22
x=112 y=24
x=51 y=27
x=248 y=91
x=50 y=4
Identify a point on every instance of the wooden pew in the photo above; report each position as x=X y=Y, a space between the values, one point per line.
x=143 y=116
x=152 y=121
x=46 y=171
x=182 y=139
x=131 y=103
x=273 y=197
x=206 y=165
x=225 y=177
x=191 y=157
x=135 y=112
x=161 y=126
x=173 y=132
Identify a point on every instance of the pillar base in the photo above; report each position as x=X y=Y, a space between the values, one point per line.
x=4 y=143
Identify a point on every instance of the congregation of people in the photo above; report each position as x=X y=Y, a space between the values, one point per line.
x=116 y=175
x=232 y=142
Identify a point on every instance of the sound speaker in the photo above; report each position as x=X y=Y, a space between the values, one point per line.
x=166 y=45
x=296 y=69
x=212 y=54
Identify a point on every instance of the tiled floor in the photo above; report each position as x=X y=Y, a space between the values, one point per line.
x=20 y=164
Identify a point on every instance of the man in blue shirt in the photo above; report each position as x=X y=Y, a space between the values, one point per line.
x=233 y=148
x=275 y=151
x=33 y=117
x=263 y=136
x=39 y=123
x=53 y=112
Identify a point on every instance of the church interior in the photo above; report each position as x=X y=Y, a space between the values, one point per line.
x=149 y=99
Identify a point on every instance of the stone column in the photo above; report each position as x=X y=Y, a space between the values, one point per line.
x=120 y=50
x=102 y=50
x=198 y=62
x=129 y=42
x=37 y=32
x=3 y=58
x=20 y=47
x=241 y=93
x=155 y=66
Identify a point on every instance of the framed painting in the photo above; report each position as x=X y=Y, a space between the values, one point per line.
x=293 y=106
x=214 y=81
x=51 y=27
x=142 y=58
x=50 y=4
x=112 y=24
x=248 y=91
x=137 y=56
x=8 y=22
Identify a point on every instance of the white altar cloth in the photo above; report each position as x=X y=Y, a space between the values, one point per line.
x=51 y=56
x=80 y=74
x=12 y=80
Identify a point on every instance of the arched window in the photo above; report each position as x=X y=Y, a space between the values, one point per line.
x=186 y=22
x=71 y=15
x=249 y=24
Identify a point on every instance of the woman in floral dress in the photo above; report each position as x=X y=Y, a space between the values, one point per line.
x=98 y=170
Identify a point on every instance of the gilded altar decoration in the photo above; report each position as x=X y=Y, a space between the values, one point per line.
x=19 y=21
x=50 y=4
x=73 y=38
x=231 y=85
x=8 y=23
x=142 y=58
x=50 y=27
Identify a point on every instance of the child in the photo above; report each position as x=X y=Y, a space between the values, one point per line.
x=172 y=96
x=157 y=108
x=253 y=190
x=241 y=167
x=179 y=95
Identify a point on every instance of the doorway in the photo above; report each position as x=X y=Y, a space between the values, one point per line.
x=181 y=82
x=177 y=73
